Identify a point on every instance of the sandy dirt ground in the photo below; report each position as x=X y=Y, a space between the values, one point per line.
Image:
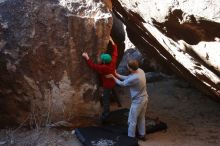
x=192 y=118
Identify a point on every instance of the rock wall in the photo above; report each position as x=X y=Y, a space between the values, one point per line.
x=43 y=76
x=191 y=21
x=160 y=10
x=172 y=42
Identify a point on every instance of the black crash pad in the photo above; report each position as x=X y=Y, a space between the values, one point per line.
x=113 y=132
x=99 y=136
x=119 y=119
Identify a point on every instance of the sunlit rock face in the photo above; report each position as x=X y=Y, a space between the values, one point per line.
x=191 y=21
x=160 y=10
x=181 y=36
x=43 y=77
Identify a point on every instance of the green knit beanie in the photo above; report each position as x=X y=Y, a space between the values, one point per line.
x=106 y=58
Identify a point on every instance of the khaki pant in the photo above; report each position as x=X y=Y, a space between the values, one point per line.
x=137 y=119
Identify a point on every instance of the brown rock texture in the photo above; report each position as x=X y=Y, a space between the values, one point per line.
x=43 y=77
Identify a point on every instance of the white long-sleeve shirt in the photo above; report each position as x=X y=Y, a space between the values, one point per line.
x=137 y=84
